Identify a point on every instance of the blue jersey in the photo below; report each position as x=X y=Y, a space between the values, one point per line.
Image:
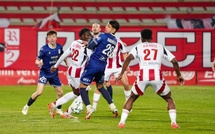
x=102 y=47
x=49 y=57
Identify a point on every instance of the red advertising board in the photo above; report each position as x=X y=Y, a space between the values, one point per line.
x=192 y=48
x=30 y=77
x=206 y=78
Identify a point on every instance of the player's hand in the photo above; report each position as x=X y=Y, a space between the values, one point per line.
x=53 y=69
x=39 y=63
x=181 y=80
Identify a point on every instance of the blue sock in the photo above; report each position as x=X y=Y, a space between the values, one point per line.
x=84 y=96
x=106 y=95
x=110 y=91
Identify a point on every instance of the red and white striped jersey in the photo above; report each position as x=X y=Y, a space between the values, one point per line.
x=150 y=56
x=79 y=55
x=115 y=60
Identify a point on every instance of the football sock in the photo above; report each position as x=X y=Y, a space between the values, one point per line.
x=88 y=88
x=106 y=95
x=112 y=106
x=78 y=99
x=30 y=102
x=124 y=116
x=110 y=91
x=172 y=115
x=127 y=94
x=96 y=98
x=67 y=97
x=84 y=96
x=69 y=110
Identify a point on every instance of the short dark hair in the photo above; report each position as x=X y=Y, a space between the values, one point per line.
x=114 y=24
x=146 y=34
x=83 y=31
x=50 y=32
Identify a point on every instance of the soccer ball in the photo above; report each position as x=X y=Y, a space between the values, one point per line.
x=77 y=107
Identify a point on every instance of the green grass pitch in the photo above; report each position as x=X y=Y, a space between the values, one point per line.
x=195 y=113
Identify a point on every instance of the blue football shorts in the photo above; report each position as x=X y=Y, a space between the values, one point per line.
x=53 y=80
x=92 y=74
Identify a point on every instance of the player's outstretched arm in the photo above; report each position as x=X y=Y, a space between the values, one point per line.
x=63 y=57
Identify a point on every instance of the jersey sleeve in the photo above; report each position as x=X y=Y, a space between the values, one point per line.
x=94 y=42
x=41 y=53
x=167 y=54
x=63 y=57
x=134 y=52
x=123 y=47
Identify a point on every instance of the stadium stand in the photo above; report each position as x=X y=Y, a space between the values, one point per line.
x=135 y=13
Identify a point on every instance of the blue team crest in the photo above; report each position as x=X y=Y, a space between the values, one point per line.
x=59 y=52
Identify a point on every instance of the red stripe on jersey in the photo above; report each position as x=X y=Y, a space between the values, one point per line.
x=162 y=88
x=151 y=74
x=138 y=89
x=117 y=54
x=70 y=71
x=110 y=62
x=78 y=73
x=160 y=73
x=76 y=70
x=141 y=75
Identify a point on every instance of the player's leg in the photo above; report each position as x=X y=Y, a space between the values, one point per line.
x=74 y=84
x=59 y=92
x=107 y=97
x=84 y=94
x=97 y=94
x=96 y=97
x=86 y=79
x=163 y=90
x=125 y=84
x=109 y=88
x=137 y=89
x=85 y=98
x=108 y=73
x=55 y=82
x=127 y=108
x=171 y=109
x=33 y=97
